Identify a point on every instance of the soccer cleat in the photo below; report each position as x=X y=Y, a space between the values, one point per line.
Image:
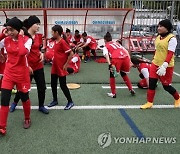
x=43 y=110
x=13 y=106
x=2 y=131
x=111 y=95
x=132 y=92
x=69 y=106
x=53 y=103
x=148 y=105
x=27 y=123
x=83 y=56
x=177 y=103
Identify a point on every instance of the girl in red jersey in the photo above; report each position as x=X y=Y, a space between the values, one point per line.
x=35 y=61
x=2 y=60
x=88 y=44
x=76 y=38
x=2 y=55
x=143 y=67
x=2 y=64
x=74 y=64
x=120 y=60
x=49 y=54
x=69 y=38
x=62 y=56
x=16 y=72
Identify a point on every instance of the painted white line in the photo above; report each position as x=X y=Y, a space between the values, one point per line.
x=100 y=107
x=118 y=87
x=176 y=74
x=104 y=87
x=46 y=87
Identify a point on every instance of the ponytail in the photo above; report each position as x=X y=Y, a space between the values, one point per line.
x=108 y=37
x=27 y=34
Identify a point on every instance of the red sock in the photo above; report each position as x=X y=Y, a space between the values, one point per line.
x=150 y=95
x=113 y=85
x=127 y=82
x=27 y=109
x=4 y=110
x=176 y=95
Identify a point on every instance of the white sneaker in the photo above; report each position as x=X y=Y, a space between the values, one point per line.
x=111 y=95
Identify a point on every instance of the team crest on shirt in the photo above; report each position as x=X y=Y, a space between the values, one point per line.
x=51 y=44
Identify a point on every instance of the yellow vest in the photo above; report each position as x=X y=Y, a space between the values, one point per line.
x=162 y=50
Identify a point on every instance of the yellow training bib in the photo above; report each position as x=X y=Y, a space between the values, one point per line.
x=162 y=50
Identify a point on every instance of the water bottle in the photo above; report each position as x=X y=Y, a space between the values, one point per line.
x=114 y=71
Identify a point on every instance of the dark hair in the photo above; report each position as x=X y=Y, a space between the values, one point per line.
x=167 y=24
x=76 y=31
x=135 y=60
x=15 y=23
x=31 y=21
x=68 y=30
x=59 y=29
x=108 y=37
x=7 y=19
x=84 y=34
x=25 y=24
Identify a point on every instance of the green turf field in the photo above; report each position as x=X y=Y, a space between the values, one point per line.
x=97 y=123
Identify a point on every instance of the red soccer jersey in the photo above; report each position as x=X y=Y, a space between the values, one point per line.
x=34 y=55
x=16 y=65
x=50 y=50
x=61 y=54
x=75 y=63
x=143 y=65
x=2 y=61
x=69 y=38
x=76 y=39
x=93 y=41
x=115 y=50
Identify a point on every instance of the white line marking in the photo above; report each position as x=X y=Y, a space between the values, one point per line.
x=118 y=87
x=176 y=74
x=46 y=87
x=100 y=107
x=104 y=87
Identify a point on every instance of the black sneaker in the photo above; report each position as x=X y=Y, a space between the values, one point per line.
x=69 y=106
x=132 y=92
x=53 y=103
x=43 y=110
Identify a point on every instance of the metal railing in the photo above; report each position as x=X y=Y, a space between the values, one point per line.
x=13 y=4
